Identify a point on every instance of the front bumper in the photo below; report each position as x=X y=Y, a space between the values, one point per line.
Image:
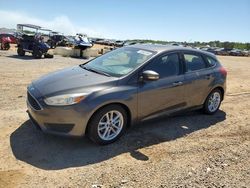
x=68 y=121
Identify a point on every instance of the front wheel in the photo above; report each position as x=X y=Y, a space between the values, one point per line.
x=213 y=101
x=37 y=53
x=107 y=124
x=7 y=46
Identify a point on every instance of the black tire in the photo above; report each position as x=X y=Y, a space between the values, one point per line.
x=48 y=55
x=20 y=51
x=7 y=46
x=37 y=53
x=206 y=108
x=93 y=124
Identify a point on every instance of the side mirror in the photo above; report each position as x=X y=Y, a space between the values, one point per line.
x=150 y=75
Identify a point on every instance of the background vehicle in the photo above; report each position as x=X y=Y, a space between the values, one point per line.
x=6 y=39
x=222 y=51
x=33 y=43
x=119 y=43
x=57 y=39
x=211 y=50
x=128 y=43
x=246 y=53
x=236 y=52
x=106 y=95
x=81 y=42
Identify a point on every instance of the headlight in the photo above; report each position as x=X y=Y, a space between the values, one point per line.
x=64 y=100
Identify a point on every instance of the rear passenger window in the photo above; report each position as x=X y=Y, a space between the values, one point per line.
x=211 y=61
x=194 y=62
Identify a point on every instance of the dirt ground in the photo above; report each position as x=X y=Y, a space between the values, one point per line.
x=188 y=150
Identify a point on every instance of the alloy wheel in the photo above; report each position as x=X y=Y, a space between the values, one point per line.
x=214 y=101
x=110 y=125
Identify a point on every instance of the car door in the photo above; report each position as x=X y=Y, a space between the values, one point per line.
x=198 y=78
x=166 y=93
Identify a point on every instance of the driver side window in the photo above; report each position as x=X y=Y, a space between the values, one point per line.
x=166 y=66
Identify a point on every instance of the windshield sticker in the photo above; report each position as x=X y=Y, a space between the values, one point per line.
x=143 y=52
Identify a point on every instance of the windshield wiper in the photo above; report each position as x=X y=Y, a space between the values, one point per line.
x=95 y=71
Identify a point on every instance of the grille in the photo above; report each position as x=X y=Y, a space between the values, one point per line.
x=33 y=102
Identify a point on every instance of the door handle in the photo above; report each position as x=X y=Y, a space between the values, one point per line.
x=177 y=83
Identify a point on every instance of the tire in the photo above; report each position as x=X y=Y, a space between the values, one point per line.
x=37 y=53
x=213 y=102
x=20 y=51
x=101 y=132
x=48 y=55
x=6 y=46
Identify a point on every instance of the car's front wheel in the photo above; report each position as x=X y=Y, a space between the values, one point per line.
x=107 y=124
x=213 y=101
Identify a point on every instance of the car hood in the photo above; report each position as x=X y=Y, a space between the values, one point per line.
x=72 y=80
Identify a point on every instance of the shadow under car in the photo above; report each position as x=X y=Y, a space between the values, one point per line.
x=52 y=152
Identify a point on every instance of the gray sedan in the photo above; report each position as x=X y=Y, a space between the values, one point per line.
x=105 y=96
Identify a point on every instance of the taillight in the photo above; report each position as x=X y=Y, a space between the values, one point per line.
x=223 y=71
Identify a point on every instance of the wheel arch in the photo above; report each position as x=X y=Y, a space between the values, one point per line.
x=221 y=89
x=216 y=87
x=125 y=107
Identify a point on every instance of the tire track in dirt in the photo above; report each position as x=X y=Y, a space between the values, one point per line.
x=237 y=94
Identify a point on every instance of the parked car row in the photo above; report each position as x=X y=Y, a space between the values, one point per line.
x=226 y=52
x=109 y=42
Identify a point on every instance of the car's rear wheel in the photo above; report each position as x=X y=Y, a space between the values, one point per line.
x=107 y=124
x=213 y=101
x=20 y=51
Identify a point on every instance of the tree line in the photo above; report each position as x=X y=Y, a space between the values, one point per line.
x=219 y=44
x=227 y=45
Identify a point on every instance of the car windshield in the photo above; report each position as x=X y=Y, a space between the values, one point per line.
x=119 y=62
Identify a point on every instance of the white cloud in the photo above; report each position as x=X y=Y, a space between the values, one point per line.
x=63 y=24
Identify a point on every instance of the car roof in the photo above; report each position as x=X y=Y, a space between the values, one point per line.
x=158 y=48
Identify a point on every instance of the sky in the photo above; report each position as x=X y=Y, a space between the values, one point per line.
x=170 y=20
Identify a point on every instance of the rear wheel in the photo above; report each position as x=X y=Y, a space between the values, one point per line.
x=20 y=51
x=213 y=101
x=107 y=124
